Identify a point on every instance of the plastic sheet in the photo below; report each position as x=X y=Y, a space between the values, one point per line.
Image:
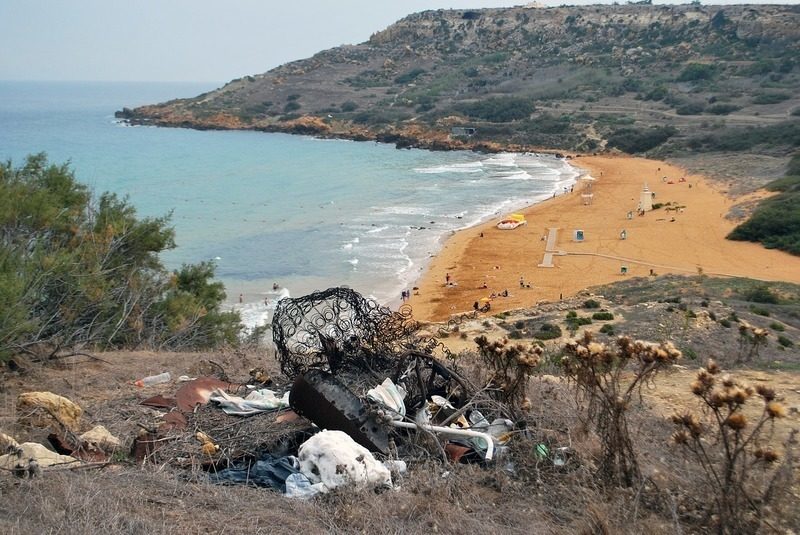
x=268 y=471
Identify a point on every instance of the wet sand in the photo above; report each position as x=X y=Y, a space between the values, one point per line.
x=684 y=241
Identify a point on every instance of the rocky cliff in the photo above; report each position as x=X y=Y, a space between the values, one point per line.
x=673 y=79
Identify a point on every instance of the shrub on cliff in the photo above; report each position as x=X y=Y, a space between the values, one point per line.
x=633 y=140
x=696 y=71
x=498 y=110
x=79 y=273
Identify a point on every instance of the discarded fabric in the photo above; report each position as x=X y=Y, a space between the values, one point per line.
x=32 y=450
x=298 y=486
x=7 y=443
x=390 y=396
x=100 y=437
x=42 y=409
x=256 y=401
x=396 y=466
x=268 y=471
x=334 y=459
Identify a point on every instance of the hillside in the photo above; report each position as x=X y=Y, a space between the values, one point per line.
x=523 y=494
x=668 y=80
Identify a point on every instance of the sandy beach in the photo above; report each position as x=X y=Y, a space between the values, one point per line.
x=485 y=260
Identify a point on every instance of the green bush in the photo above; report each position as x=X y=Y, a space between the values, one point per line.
x=603 y=316
x=77 y=272
x=761 y=294
x=572 y=314
x=759 y=311
x=657 y=93
x=785 y=342
x=591 y=303
x=410 y=76
x=498 y=109
x=691 y=108
x=574 y=323
x=775 y=223
x=547 y=331
x=775 y=326
x=771 y=98
x=696 y=71
x=784 y=134
x=632 y=140
x=348 y=106
x=725 y=323
x=793 y=168
x=291 y=106
x=787 y=183
x=607 y=329
x=722 y=109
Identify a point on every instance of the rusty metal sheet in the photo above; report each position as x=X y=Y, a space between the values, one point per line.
x=197 y=392
x=323 y=399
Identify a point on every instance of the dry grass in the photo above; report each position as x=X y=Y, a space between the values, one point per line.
x=521 y=494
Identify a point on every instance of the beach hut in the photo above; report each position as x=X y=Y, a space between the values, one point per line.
x=578 y=235
x=587 y=198
x=646 y=199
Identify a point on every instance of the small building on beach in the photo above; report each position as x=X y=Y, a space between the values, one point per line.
x=646 y=199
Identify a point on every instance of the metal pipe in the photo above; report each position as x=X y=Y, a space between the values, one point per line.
x=452 y=432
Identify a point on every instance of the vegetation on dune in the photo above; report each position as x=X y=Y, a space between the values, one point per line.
x=77 y=272
x=634 y=140
x=776 y=221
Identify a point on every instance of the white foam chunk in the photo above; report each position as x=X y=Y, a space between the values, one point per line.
x=332 y=459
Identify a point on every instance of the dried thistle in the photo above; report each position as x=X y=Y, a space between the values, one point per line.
x=775 y=409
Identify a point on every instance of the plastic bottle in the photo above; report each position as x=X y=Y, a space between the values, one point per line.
x=153 y=379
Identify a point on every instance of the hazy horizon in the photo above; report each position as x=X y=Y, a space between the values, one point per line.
x=192 y=41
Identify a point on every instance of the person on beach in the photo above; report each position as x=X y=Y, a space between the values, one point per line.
x=275 y=286
x=241 y=298
x=446 y=279
x=521 y=281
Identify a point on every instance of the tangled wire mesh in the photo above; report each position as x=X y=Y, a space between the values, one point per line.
x=339 y=330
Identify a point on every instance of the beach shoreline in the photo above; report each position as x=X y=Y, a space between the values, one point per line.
x=686 y=236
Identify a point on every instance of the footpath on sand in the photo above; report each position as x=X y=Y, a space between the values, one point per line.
x=686 y=235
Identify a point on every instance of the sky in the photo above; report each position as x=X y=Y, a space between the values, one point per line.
x=194 y=40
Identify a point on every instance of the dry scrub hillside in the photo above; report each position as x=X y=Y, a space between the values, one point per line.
x=521 y=494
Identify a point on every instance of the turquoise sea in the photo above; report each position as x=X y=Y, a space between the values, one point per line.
x=304 y=213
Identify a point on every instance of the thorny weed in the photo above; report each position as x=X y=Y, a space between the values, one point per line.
x=738 y=464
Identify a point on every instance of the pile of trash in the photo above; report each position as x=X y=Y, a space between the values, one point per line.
x=69 y=445
x=363 y=396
